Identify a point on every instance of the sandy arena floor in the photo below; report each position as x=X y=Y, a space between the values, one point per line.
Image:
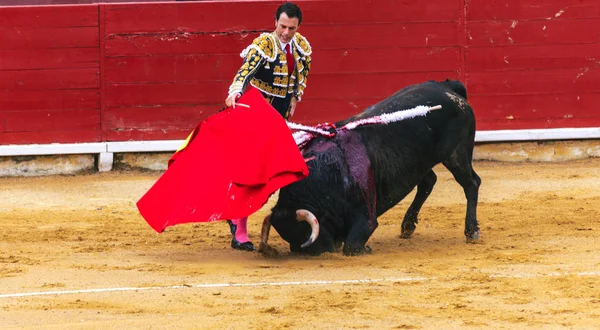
x=538 y=265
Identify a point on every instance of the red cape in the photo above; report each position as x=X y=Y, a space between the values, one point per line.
x=232 y=163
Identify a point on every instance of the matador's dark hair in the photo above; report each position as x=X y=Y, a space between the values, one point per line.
x=291 y=10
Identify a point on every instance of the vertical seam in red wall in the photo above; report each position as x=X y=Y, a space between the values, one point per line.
x=101 y=39
x=462 y=33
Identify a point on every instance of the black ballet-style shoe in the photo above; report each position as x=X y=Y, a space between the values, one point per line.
x=246 y=246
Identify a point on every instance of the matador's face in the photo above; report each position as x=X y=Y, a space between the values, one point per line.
x=286 y=27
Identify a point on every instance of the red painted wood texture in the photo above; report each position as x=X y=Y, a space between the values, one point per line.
x=49 y=74
x=151 y=71
x=181 y=59
x=533 y=64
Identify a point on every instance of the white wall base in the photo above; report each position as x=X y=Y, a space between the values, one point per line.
x=538 y=134
x=105 y=150
x=52 y=149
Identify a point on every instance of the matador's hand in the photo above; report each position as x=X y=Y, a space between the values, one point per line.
x=293 y=103
x=230 y=100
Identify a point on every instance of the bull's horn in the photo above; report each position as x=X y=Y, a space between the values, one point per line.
x=306 y=215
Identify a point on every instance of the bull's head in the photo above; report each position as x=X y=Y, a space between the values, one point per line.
x=301 y=237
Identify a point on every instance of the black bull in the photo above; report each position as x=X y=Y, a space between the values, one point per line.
x=359 y=174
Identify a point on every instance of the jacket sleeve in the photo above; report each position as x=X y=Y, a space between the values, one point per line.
x=256 y=55
x=302 y=76
x=305 y=51
x=252 y=62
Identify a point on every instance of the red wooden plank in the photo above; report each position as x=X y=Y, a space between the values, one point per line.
x=178 y=43
x=45 y=137
x=140 y=118
x=50 y=79
x=528 y=106
x=329 y=37
x=49 y=16
x=252 y=16
x=360 y=86
x=389 y=35
x=179 y=117
x=532 y=57
x=321 y=37
x=316 y=111
x=380 y=11
x=179 y=68
x=166 y=94
x=189 y=16
x=531 y=9
x=21 y=37
x=145 y=135
x=66 y=2
x=49 y=58
x=2 y=123
x=52 y=120
x=387 y=60
x=534 y=82
x=49 y=100
x=102 y=67
x=339 y=87
x=196 y=68
x=533 y=32
x=545 y=123
x=462 y=32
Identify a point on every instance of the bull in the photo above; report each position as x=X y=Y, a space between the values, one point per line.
x=357 y=175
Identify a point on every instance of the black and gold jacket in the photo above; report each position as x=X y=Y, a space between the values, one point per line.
x=265 y=67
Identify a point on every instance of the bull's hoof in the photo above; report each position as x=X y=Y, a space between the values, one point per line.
x=267 y=251
x=406 y=233
x=357 y=251
x=338 y=246
x=473 y=238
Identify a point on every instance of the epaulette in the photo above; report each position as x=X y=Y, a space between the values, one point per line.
x=264 y=45
x=302 y=45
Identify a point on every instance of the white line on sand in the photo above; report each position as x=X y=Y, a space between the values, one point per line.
x=293 y=283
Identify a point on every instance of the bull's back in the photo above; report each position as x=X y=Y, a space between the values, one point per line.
x=403 y=152
x=430 y=93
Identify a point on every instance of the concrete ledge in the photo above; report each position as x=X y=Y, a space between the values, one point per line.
x=544 y=151
x=152 y=161
x=40 y=165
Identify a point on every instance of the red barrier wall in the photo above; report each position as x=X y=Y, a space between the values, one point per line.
x=533 y=64
x=49 y=78
x=150 y=71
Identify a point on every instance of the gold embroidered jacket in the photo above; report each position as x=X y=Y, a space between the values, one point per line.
x=265 y=67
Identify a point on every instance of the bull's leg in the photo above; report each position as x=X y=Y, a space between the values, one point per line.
x=409 y=224
x=359 y=234
x=459 y=164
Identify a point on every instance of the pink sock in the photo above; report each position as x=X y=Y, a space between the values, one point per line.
x=241 y=233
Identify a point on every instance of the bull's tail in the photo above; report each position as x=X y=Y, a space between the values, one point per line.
x=457 y=87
